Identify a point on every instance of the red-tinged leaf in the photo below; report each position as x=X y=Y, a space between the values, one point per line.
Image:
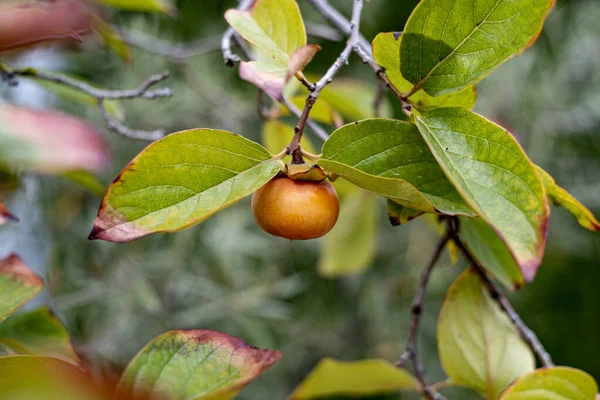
x=195 y=365
x=49 y=141
x=270 y=78
x=18 y=284
x=28 y=23
x=300 y=59
x=5 y=215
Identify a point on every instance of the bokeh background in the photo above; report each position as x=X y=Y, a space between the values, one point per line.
x=227 y=275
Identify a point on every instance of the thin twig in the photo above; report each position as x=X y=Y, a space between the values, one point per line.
x=294 y=147
x=175 y=51
x=228 y=56
x=362 y=49
x=378 y=101
x=416 y=310
x=526 y=333
x=339 y=21
x=101 y=95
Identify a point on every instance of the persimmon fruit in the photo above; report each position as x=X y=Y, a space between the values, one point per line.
x=295 y=209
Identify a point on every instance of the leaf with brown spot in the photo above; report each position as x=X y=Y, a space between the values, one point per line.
x=195 y=365
x=18 y=285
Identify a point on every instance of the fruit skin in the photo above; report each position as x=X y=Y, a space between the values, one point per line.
x=296 y=210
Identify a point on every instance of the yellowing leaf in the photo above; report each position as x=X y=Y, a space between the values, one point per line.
x=18 y=285
x=358 y=378
x=161 y=6
x=195 y=365
x=276 y=30
x=449 y=45
x=37 y=332
x=112 y=39
x=386 y=50
x=561 y=198
x=322 y=111
x=491 y=252
x=276 y=136
x=494 y=176
x=350 y=246
x=180 y=181
x=478 y=345
x=557 y=383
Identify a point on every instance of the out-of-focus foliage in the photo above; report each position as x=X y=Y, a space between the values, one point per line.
x=227 y=275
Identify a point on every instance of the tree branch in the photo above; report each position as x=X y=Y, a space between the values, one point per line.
x=526 y=333
x=228 y=56
x=101 y=95
x=294 y=147
x=412 y=347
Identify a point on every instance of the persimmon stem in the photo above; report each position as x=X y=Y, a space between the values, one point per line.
x=294 y=146
x=500 y=298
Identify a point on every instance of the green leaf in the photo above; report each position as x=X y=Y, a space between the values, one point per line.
x=357 y=378
x=478 y=345
x=276 y=30
x=37 y=332
x=37 y=378
x=400 y=215
x=18 y=285
x=113 y=107
x=354 y=99
x=494 y=176
x=195 y=365
x=87 y=181
x=276 y=136
x=561 y=198
x=390 y=158
x=160 y=6
x=386 y=50
x=180 y=181
x=321 y=111
x=557 y=383
x=112 y=39
x=491 y=252
x=350 y=246
x=448 y=45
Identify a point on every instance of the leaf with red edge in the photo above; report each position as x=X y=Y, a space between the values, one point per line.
x=195 y=365
x=18 y=285
x=27 y=23
x=6 y=215
x=49 y=141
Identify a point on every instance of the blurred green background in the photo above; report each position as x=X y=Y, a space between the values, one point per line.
x=227 y=275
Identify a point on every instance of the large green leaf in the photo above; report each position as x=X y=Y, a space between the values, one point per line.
x=276 y=30
x=557 y=383
x=44 y=378
x=561 y=198
x=448 y=45
x=478 y=345
x=18 y=285
x=350 y=246
x=493 y=174
x=160 y=6
x=180 y=181
x=37 y=332
x=491 y=252
x=195 y=365
x=391 y=155
x=358 y=378
x=386 y=50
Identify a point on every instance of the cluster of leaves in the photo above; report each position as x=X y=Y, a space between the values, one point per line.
x=445 y=160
